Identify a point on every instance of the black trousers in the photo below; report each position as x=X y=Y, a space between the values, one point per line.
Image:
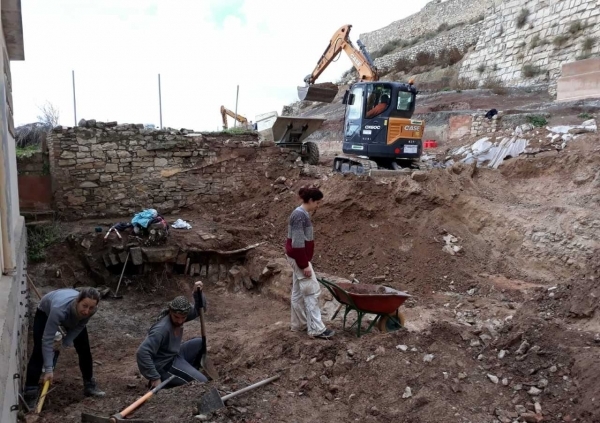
x=35 y=366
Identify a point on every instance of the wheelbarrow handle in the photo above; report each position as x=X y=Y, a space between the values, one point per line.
x=140 y=401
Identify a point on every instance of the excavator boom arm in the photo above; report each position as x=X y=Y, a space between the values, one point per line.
x=226 y=112
x=341 y=41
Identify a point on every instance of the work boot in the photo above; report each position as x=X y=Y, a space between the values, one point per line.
x=30 y=394
x=90 y=389
x=328 y=333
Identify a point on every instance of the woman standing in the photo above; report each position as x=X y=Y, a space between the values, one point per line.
x=299 y=249
x=72 y=310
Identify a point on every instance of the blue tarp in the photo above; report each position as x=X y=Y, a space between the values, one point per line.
x=143 y=218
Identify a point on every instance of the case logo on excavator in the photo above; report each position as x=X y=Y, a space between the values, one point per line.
x=412 y=128
x=372 y=127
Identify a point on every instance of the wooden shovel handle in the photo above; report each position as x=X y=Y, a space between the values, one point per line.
x=202 y=328
x=141 y=400
x=201 y=315
x=38 y=409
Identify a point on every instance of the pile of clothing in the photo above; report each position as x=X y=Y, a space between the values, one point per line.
x=141 y=222
x=145 y=218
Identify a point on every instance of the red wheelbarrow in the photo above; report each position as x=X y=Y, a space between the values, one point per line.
x=380 y=300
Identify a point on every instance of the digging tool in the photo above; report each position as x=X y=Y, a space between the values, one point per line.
x=120 y=417
x=117 y=296
x=212 y=401
x=40 y=404
x=205 y=361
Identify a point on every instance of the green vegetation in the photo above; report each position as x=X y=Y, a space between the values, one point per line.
x=428 y=60
x=585 y=116
x=588 y=43
x=575 y=27
x=460 y=84
x=495 y=85
x=390 y=46
x=560 y=40
x=28 y=151
x=522 y=18
x=529 y=70
x=39 y=238
x=537 y=120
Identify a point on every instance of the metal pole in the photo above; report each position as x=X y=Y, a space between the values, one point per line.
x=74 y=102
x=236 y=104
x=159 y=102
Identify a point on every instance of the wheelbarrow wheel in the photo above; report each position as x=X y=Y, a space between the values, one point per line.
x=391 y=322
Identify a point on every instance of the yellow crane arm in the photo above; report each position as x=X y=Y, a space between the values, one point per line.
x=360 y=58
x=226 y=112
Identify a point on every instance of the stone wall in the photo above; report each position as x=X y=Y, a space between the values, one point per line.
x=461 y=38
x=105 y=169
x=483 y=126
x=554 y=32
x=451 y=12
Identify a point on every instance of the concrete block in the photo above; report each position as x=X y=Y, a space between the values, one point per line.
x=579 y=80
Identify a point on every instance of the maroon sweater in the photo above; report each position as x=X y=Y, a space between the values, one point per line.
x=300 y=243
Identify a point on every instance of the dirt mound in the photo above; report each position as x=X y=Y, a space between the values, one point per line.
x=502 y=324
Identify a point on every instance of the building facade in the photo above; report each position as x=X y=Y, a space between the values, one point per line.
x=13 y=258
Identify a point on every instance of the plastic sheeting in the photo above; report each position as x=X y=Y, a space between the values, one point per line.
x=484 y=151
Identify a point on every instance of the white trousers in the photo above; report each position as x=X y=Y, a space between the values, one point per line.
x=306 y=314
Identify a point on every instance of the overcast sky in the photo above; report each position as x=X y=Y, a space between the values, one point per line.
x=201 y=48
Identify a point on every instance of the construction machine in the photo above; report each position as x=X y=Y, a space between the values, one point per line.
x=241 y=119
x=379 y=132
x=291 y=132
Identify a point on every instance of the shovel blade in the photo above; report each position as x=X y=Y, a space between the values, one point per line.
x=209 y=367
x=210 y=402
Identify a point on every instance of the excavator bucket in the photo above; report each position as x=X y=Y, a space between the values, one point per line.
x=324 y=93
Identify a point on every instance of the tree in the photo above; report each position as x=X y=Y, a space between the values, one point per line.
x=49 y=115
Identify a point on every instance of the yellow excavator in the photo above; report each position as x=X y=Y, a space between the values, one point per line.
x=379 y=132
x=241 y=119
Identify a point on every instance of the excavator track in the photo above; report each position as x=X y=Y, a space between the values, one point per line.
x=358 y=166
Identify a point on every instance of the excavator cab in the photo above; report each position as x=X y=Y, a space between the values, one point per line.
x=378 y=125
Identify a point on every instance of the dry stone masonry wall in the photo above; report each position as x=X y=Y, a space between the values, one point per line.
x=105 y=169
x=451 y=12
x=553 y=32
x=482 y=126
x=461 y=38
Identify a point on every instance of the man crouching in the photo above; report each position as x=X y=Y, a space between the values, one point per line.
x=162 y=354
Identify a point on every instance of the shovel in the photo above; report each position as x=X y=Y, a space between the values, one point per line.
x=120 y=417
x=212 y=401
x=34 y=415
x=116 y=294
x=205 y=361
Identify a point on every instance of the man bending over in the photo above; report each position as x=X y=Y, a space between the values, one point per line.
x=162 y=354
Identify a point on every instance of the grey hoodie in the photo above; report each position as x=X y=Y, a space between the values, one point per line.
x=161 y=345
x=59 y=306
